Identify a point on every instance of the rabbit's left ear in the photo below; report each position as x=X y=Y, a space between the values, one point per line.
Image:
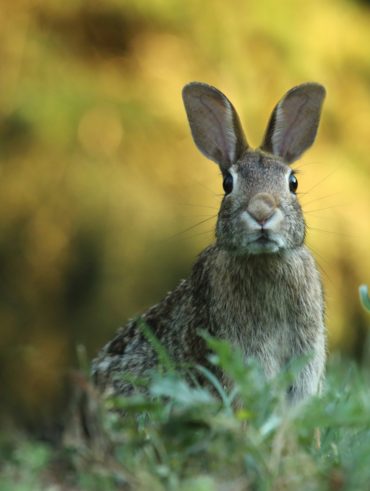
x=214 y=124
x=294 y=122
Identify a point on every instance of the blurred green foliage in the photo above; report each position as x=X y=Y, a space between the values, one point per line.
x=364 y=297
x=182 y=437
x=98 y=173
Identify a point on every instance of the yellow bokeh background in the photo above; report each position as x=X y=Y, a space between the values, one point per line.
x=102 y=187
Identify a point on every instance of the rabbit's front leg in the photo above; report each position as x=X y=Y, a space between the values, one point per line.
x=308 y=381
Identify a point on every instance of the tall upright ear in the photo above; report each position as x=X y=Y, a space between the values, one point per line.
x=293 y=124
x=214 y=124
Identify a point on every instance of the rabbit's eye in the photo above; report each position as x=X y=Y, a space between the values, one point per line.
x=293 y=183
x=228 y=183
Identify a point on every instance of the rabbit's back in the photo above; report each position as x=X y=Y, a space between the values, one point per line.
x=173 y=323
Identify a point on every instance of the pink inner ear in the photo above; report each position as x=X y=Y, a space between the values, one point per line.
x=291 y=118
x=214 y=123
x=294 y=122
x=219 y=113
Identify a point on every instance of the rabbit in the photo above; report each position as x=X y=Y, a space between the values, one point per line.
x=257 y=286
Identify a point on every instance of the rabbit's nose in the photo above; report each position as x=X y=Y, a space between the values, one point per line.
x=261 y=207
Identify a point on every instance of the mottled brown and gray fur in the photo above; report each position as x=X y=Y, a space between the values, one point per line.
x=257 y=286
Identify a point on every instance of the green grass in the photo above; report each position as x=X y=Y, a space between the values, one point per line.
x=183 y=437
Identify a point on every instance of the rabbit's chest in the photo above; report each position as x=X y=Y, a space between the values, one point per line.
x=268 y=306
x=262 y=324
x=267 y=336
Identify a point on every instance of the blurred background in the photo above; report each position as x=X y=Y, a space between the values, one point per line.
x=102 y=187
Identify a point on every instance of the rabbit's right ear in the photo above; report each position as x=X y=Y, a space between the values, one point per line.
x=214 y=124
x=294 y=122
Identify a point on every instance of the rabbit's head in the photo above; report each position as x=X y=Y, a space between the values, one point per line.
x=260 y=212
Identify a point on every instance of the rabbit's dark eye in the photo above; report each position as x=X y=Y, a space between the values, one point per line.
x=228 y=183
x=293 y=183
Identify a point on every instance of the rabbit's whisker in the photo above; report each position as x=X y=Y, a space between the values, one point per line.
x=204 y=232
x=207 y=188
x=200 y=206
x=319 y=183
x=320 y=199
x=306 y=164
x=319 y=263
x=323 y=209
x=197 y=216
x=314 y=229
x=192 y=227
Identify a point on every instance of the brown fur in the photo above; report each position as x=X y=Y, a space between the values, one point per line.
x=257 y=286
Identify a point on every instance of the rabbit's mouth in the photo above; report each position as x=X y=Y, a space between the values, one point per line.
x=264 y=244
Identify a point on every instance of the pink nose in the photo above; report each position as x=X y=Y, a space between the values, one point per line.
x=261 y=207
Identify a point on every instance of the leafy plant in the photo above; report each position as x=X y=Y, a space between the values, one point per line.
x=364 y=297
x=179 y=435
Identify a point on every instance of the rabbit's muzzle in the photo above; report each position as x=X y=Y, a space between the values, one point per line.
x=263 y=221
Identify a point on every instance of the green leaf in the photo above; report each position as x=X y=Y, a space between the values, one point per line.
x=364 y=297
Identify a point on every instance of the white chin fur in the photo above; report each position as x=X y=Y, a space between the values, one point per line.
x=268 y=248
x=275 y=244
